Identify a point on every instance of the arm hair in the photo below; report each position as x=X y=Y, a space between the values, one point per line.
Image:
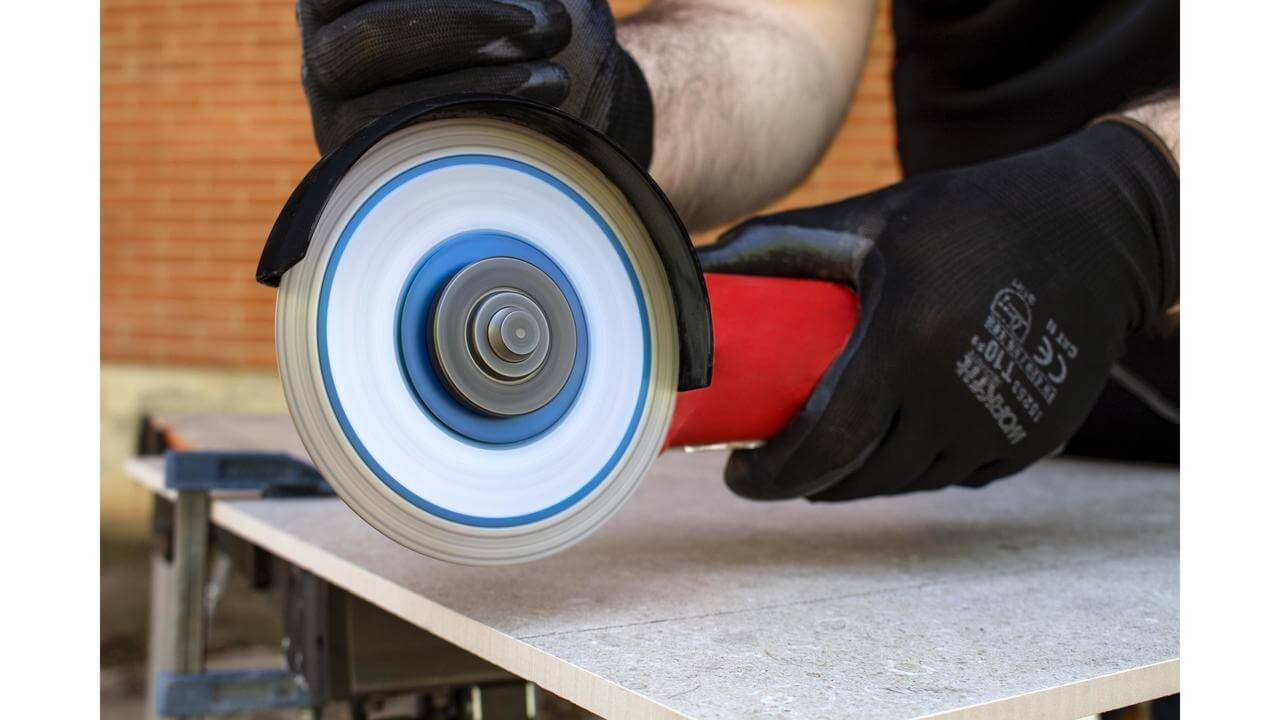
x=747 y=94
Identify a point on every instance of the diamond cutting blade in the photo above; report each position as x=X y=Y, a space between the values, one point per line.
x=363 y=358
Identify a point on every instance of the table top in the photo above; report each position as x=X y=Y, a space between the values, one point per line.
x=1053 y=594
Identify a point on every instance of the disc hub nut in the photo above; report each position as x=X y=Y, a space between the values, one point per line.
x=509 y=335
x=503 y=337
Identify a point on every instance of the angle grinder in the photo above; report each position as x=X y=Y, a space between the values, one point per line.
x=490 y=322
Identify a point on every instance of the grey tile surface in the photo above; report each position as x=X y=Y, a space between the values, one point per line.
x=887 y=608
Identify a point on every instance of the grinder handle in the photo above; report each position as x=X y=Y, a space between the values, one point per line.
x=774 y=338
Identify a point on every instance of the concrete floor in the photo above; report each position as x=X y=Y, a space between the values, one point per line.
x=246 y=633
x=123 y=684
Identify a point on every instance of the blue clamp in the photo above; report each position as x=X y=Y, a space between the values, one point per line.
x=269 y=473
x=229 y=692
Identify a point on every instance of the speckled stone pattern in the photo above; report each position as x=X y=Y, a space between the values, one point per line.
x=693 y=602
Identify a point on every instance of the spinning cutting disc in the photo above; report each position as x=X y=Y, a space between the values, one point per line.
x=479 y=348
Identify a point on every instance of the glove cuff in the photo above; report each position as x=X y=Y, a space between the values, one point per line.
x=1140 y=168
x=1147 y=133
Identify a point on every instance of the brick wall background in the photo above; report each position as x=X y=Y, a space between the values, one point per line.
x=204 y=133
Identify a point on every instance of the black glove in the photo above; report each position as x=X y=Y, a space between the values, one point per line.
x=995 y=300
x=361 y=60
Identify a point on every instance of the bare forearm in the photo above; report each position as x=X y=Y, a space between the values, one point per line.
x=1160 y=114
x=747 y=95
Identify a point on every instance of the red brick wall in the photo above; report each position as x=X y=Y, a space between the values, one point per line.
x=204 y=133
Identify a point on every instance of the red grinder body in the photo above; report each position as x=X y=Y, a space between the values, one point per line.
x=774 y=339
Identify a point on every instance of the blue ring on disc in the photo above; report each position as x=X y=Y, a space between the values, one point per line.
x=336 y=404
x=413 y=330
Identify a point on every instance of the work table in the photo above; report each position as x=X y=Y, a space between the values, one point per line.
x=1052 y=594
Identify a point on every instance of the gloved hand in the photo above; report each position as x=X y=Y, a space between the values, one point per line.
x=361 y=60
x=995 y=300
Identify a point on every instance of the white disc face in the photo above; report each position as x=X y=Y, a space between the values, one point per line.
x=408 y=462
